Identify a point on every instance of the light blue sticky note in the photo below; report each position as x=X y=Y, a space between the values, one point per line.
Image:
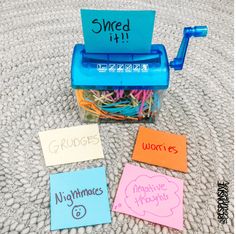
x=79 y=198
x=113 y=31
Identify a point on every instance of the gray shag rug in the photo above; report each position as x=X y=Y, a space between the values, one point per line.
x=36 y=43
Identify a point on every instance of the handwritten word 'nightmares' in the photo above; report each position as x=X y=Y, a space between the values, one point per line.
x=72 y=195
x=66 y=144
x=118 y=31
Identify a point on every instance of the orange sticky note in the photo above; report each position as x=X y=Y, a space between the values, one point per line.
x=161 y=149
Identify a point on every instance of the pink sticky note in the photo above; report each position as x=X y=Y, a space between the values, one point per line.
x=150 y=196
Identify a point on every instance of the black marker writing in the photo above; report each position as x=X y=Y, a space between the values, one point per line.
x=78 y=212
x=75 y=194
x=109 y=26
x=114 y=27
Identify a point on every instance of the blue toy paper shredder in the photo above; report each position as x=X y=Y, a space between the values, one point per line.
x=125 y=87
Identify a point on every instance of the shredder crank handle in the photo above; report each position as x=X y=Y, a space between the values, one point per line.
x=197 y=31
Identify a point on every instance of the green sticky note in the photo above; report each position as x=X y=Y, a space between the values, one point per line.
x=117 y=31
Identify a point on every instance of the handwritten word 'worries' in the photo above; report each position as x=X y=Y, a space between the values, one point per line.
x=162 y=147
x=64 y=144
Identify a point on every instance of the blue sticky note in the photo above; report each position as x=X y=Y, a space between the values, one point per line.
x=79 y=198
x=114 y=31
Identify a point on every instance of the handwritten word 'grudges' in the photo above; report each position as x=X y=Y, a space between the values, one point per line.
x=170 y=149
x=72 y=195
x=154 y=195
x=66 y=144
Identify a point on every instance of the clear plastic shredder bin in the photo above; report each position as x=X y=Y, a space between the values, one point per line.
x=125 y=87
